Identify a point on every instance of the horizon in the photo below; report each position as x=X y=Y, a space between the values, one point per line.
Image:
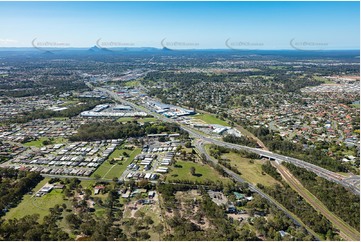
x=30 y=48
x=181 y=25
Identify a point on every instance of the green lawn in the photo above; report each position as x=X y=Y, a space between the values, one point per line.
x=202 y=172
x=36 y=143
x=60 y=118
x=210 y=119
x=69 y=102
x=40 y=205
x=87 y=184
x=322 y=79
x=108 y=171
x=131 y=83
x=119 y=169
x=39 y=142
x=140 y=120
x=250 y=172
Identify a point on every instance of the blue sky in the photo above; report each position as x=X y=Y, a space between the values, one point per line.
x=256 y=25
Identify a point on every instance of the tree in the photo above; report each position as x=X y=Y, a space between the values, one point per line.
x=148 y=220
x=158 y=229
x=46 y=142
x=73 y=220
x=192 y=170
x=97 y=177
x=204 y=158
x=68 y=192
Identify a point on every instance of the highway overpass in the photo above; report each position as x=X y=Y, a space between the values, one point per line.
x=332 y=176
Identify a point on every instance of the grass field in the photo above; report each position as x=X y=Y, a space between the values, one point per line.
x=108 y=171
x=39 y=142
x=210 y=119
x=202 y=172
x=140 y=120
x=40 y=205
x=87 y=184
x=131 y=83
x=250 y=172
x=69 y=102
x=322 y=79
x=60 y=118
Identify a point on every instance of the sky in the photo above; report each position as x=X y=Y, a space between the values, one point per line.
x=181 y=25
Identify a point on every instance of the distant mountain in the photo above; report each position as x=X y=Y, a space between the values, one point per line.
x=120 y=49
x=166 y=49
x=48 y=52
x=135 y=49
x=97 y=49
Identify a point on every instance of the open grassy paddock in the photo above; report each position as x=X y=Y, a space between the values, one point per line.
x=181 y=170
x=109 y=171
x=210 y=119
x=39 y=142
x=40 y=205
x=251 y=172
x=322 y=79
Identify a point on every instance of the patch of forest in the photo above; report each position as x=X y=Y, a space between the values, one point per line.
x=72 y=111
x=114 y=130
x=334 y=196
x=13 y=185
x=285 y=147
x=296 y=204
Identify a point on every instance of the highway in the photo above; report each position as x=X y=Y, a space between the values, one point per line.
x=329 y=175
x=332 y=176
x=200 y=146
x=346 y=231
x=346 y=182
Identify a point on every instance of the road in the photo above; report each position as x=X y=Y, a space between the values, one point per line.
x=346 y=231
x=316 y=169
x=332 y=176
x=200 y=146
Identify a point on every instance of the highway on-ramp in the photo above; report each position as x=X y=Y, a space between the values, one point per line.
x=332 y=176
x=200 y=147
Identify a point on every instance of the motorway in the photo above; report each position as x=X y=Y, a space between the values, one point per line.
x=346 y=231
x=329 y=175
x=200 y=146
x=346 y=182
x=332 y=176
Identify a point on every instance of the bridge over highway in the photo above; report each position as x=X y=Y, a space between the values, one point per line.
x=332 y=176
